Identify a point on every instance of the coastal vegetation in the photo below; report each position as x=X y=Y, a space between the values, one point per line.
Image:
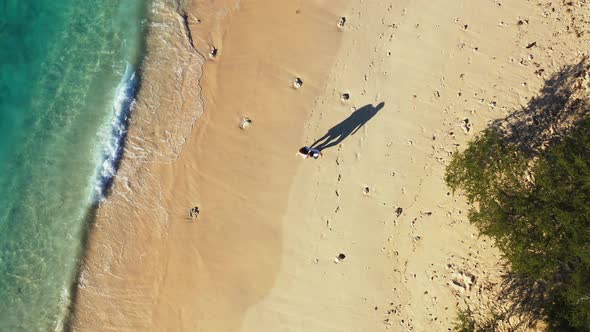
x=527 y=180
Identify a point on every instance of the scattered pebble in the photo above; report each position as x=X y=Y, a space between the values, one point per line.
x=213 y=53
x=339 y=258
x=342 y=21
x=465 y=125
x=297 y=83
x=345 y=96
x=194 y=212
x=246 y=122
x=398 y=211
x=366 y=190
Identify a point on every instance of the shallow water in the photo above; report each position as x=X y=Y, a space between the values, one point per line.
x=67 y=79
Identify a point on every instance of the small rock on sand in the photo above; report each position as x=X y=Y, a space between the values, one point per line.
x=246 y=122
x=194 y=212
x=339 y=258
x=213 y=53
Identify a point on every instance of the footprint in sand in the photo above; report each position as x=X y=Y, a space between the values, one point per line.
x=463 y=280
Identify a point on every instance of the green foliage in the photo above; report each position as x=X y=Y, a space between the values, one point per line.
x=537 y=209
x=465 y=322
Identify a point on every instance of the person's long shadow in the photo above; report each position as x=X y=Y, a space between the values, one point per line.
x=348 y=127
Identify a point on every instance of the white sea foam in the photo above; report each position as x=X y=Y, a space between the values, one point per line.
x=114 y=140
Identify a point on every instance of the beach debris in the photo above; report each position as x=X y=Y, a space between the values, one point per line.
x=246 y=122
x=194 y=212
x=344 y=96
x=341 y=22
x=465 y=125
x=398 y=211
x=531 y=45
x=213 y=53
x=339 y=258
x=366 y=190
x=297 y=83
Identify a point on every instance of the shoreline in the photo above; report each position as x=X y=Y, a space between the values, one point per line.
x=161 y=239
x=142 y=150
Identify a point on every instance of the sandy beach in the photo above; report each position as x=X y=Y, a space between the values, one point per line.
x=365 y=238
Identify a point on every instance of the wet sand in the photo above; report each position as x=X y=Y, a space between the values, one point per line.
x=151 y=267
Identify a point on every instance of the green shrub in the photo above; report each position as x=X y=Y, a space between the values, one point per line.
x=537 y=209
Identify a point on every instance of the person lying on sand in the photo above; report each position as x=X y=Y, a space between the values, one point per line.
x=306 y=152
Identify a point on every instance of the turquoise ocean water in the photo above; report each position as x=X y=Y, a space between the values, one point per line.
x=67 y=78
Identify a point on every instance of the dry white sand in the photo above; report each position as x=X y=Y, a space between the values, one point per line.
x=443 y=70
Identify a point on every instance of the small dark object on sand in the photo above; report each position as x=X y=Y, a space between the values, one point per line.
x=398 y=211
x=297 y=83
x=194 y=212
x=531 y=45
x=342 y=21
x=345 y=96
x=213 y=53
x=341 y=256
x=246 y=122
